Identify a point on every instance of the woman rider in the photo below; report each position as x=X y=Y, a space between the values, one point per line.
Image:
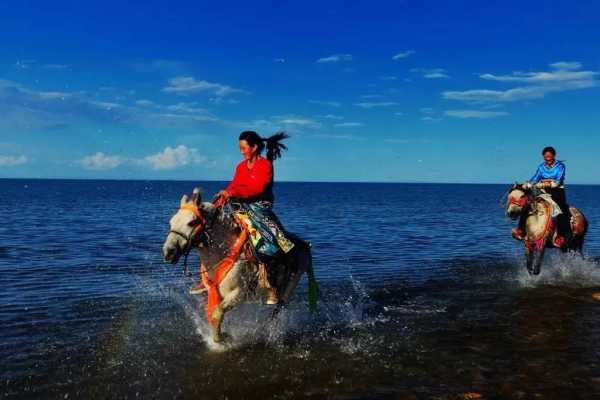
x=252 y=188
x=550 y=176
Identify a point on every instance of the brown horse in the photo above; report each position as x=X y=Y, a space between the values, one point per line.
x=535 y=210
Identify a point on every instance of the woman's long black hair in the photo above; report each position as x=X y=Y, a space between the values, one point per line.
x=272 y=143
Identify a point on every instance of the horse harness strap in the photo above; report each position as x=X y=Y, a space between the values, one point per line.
x=521 y=202
x=221 y=269
x=201 y=223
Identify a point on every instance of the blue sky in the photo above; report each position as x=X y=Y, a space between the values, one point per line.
x=401 y=91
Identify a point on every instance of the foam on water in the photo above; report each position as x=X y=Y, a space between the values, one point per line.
x=560 y=269
x=341 y=319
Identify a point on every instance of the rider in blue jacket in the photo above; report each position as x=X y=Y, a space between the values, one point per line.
x=550 y=176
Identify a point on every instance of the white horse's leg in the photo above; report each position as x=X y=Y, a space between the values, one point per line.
x=230 y=290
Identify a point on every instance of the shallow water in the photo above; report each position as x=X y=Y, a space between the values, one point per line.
x=425 y=295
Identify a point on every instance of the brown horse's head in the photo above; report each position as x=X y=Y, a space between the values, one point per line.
x=516 y=201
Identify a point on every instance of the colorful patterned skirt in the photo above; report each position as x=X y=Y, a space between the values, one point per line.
x=266 y=233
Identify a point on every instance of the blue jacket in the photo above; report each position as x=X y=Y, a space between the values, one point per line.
x=555 y=172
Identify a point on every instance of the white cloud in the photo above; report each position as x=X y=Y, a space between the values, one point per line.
x=222 y=100
x=562 y=76
x=24 y=64
x=475 y=114
x=399 y=114
x=431 y=73
x=388 y=78
x=403 y=54
x=183 y=111
x=190 y=108
x=12 y=161
x=348 y=124
x=566 y=65
x=105 y=105
x=331 y=116
x=296 y=121
x=335 y=58
x=101 y=161
x=171 y=158
x=376 y=104
x=25 y=108
x=145 y=103
x=56 y=67
x=337 y=137
x=279 y=60
x=560 y=72
x=427 y=110
x=326 y=103
x=184 y=117
x=372 y=96
x=189 y=85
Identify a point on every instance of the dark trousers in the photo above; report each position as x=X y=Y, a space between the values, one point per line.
x=563 y=222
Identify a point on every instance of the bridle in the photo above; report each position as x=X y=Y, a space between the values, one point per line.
x=521 y=202
x=198 y=223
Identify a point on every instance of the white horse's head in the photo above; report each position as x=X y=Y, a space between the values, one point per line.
x=516 y=201
x=185 y=227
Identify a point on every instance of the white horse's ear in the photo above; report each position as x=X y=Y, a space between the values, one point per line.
x=197 y=196
x=184 y=200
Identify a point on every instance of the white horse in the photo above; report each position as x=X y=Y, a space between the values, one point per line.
x=214 y=232
x=535 y=213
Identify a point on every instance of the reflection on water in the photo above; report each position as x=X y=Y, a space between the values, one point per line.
x=414 y=305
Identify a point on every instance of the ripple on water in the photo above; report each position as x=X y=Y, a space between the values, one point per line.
x=414 y=301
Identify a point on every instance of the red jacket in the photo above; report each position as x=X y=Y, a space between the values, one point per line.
x=253 y=184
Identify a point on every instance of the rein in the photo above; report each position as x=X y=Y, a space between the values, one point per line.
x=521 y=202
x=202 y=223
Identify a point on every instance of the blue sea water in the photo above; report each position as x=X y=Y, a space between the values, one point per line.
x=424 y=294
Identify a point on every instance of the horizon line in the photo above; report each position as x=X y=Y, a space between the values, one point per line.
x=279 y=181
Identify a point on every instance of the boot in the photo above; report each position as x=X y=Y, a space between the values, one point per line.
x=263 y=281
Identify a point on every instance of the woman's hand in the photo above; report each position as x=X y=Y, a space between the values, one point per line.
x=547 y=184
x=221 y=198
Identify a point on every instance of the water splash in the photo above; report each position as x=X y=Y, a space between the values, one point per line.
x=566 y=270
